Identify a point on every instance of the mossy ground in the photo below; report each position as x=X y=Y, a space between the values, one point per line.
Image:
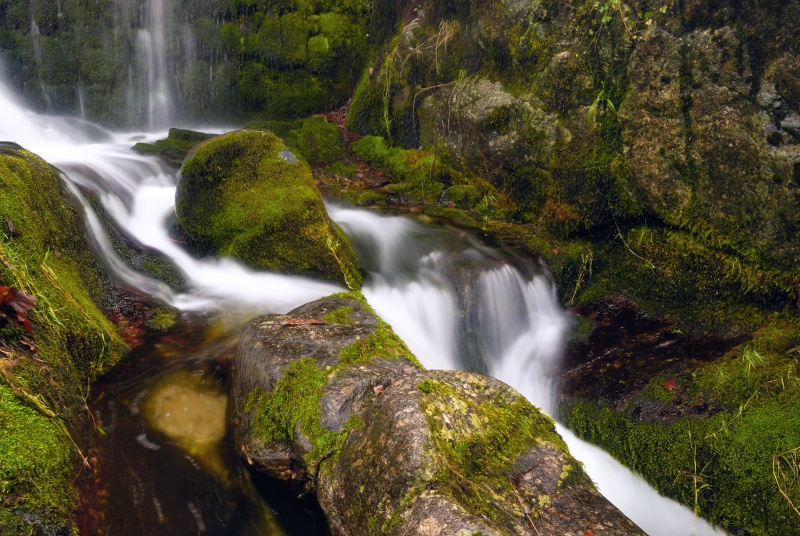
x=734 y=465
x=239 y=197
x=45 y=255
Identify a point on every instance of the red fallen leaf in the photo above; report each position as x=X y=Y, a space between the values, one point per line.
x=378 y=390
x=300 y=322
x=588 y=533
x=19 y=303
x=670 y=385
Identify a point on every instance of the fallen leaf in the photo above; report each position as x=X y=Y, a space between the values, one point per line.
x=301 y=322
x=670 y=385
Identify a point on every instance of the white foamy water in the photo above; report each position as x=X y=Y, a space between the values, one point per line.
x=457 y=304
x=139 y=193
x=520 y=331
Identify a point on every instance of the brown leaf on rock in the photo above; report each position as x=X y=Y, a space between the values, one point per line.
x=302 y=322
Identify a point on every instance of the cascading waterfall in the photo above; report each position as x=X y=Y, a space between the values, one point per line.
x=457 y=303
x=439 y=285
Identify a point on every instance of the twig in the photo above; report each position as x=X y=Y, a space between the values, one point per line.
x=525 y=510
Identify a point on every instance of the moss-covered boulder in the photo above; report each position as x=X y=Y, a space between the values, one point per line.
x=245 y=195
x=44 y=373
x=326 y=398
x=317 y=139
x=287 y=418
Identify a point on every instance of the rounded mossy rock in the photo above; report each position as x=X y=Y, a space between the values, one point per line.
x=44 y=253
x=317 y=139
x=245 y=195
x=392 y=449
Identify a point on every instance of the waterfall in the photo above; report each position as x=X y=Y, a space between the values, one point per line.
x=153 y=54
x=36 y=42
x=457 y=303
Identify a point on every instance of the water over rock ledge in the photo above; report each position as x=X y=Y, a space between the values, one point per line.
x=329 y=399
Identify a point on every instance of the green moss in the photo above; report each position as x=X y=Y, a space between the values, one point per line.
x=383 y=342
x=339 y=316
x=422 y=174
x=295 y=399
x=161 y=318
x=240 y=197
x=672 y=274
x=370 y=197
x=46 y=256
x=175 y=147
x=317 y=139
x=465 y=196
x=453 y=216
x=37 y=461
x=727 y=457
x=480 y=440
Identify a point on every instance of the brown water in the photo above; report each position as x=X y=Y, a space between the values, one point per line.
x=165 y=464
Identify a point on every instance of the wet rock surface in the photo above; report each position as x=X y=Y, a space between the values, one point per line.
x=404 y=451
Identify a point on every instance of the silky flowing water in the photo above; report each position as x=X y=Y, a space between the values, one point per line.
x=167 y=465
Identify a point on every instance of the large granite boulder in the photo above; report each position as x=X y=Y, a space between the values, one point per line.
x=245 y=195
x=327 y=398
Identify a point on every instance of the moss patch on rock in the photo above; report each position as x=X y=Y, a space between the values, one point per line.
x=175 y=146
x=43 y=253
x=318 y=140
x=291 y=412
x=244 y=195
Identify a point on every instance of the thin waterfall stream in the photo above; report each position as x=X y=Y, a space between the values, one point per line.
x=457 y=303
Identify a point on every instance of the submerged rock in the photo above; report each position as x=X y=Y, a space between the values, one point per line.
x=189 y=409
x=326 y=398
x=240 y=196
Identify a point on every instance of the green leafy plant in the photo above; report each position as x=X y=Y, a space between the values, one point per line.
x=601 y=101
x=752 y=359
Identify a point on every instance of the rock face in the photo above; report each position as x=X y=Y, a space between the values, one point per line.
x=686 y=117
x=245 y=195
x=392 y=449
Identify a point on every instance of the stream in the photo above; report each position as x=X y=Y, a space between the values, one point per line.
x=167 y=464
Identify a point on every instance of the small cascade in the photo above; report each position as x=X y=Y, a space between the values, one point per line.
x=79 y=94
x=501 y=313
x=36 y=42
x=139 y=193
